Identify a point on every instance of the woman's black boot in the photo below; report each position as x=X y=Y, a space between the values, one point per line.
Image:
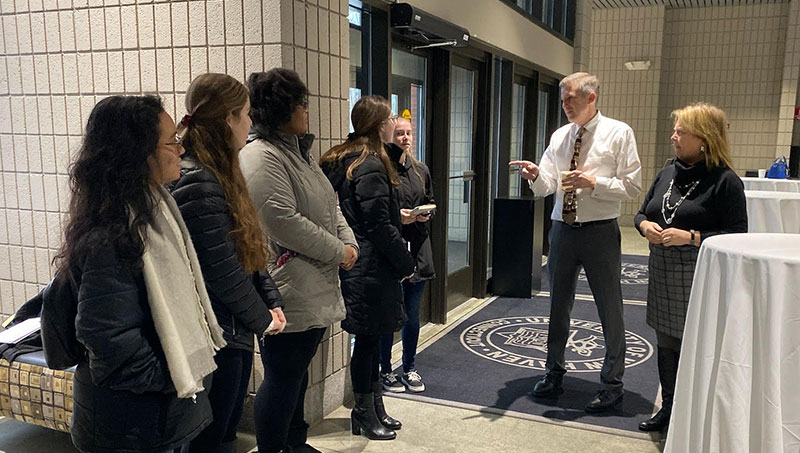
x=380 y=410
x=658 y=423
x=363 y=419
x=667 y=374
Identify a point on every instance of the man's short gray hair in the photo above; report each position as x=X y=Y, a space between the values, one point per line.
x=581 y=81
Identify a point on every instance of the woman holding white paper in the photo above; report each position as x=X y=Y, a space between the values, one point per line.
x=415 y=191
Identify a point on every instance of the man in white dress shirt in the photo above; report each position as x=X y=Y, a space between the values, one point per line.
x=591 y=165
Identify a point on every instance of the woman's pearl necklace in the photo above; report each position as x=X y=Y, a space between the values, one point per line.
x=665 y=202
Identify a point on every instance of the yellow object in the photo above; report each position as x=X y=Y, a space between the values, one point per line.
x=8 y=321
x=406 y=114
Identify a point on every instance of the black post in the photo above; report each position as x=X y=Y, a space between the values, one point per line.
x=438 y=142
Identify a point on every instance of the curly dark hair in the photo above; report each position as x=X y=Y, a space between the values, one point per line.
x=110 y=178
x=274 y=95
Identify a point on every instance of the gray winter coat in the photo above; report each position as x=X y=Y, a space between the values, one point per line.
x=307 y=231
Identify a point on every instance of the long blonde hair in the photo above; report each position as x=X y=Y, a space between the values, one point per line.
x=208 y=138
x=410 y=154
x=369 y=114
x=710 y=124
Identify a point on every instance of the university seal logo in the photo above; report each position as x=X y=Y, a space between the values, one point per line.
x=632 y=274
x=522 y=342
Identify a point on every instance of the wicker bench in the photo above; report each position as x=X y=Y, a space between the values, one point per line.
x=33 y=393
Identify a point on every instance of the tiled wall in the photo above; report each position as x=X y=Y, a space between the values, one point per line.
x=737 y=58
x=618 y=36
x=58 y=58
x=732 y=57
x=789 y=81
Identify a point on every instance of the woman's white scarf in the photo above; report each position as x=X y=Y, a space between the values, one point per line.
x=184 y=320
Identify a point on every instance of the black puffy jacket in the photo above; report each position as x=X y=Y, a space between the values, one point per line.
x=124 y=400
x=371 y=289
x=240 y=300
x=415 y=189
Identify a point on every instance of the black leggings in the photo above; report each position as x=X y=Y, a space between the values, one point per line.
x=279 y=412
x=228 y=390
x=364 y=363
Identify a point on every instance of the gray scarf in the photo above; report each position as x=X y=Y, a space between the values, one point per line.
x=182 y=313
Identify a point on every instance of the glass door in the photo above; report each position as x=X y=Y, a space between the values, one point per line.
x=517 y=136
x=409 y=91
x=408 y=96
x=463 y=85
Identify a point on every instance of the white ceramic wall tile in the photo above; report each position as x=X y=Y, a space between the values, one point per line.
x=180 y=27
x=253 y=60
x=252 y=22
x=162 y=16
x=215 y=20
x=272 y=20
x=299 y=24
x=314 y=37
x=234 y=33
x=199 y=61
x=235 y=62
x=97 y=29
x=197 y=23
x=323 y=32
x=147 y=63
x=146 y=25
x=216 y=59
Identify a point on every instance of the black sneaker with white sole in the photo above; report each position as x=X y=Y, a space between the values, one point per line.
x=391 y=383
x=413 y=381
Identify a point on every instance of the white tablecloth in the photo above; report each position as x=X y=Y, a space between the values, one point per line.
x=774 y=185
x=738 y=386
x=772 y=212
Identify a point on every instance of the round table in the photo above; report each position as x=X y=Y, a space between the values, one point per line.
x=772 y=212
x=737 y=387
x=775 y=185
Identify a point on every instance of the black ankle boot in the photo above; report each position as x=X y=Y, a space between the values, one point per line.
x=658 y=423
x=363 y=419
x=380 y=410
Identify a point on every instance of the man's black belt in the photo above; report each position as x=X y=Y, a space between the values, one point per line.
x=586 y=224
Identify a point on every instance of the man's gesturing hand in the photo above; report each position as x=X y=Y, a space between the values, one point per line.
x=527 y=169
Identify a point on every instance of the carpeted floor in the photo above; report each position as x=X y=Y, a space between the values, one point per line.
x=493 y=358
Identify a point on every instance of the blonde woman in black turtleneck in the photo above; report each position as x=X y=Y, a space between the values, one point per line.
x=696 y=196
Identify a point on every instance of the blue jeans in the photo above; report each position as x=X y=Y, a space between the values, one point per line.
x=412 y=293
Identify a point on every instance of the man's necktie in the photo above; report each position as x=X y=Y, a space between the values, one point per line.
x=569 y=208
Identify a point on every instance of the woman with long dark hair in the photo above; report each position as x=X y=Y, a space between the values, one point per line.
x=143 y=314
x=309 y=240
x=366 y=181
x=231 y=246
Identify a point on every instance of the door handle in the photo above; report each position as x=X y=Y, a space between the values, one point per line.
x=468 y=175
